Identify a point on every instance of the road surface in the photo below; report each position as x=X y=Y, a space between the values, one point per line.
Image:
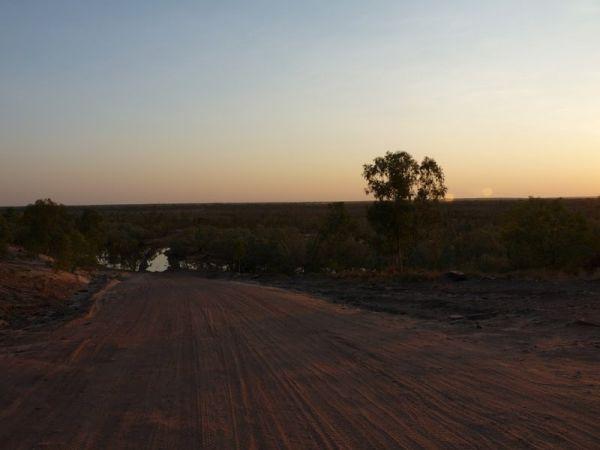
x=177 y=361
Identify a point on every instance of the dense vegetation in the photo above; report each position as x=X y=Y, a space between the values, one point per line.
x=48 y=228
x=470 y=235
x=408 y=226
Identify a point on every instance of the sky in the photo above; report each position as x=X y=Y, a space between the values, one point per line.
x=146 y=101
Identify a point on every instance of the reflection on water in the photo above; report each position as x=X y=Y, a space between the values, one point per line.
x=155 y=262
x=188 y=265
x=103 y=260
x=159 y=262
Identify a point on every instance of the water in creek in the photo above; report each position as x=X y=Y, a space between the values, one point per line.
x=159 y=261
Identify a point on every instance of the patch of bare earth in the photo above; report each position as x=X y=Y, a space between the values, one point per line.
x=31 y=292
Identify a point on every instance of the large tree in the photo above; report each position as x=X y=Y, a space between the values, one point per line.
x=403 y=190
x=48 y=228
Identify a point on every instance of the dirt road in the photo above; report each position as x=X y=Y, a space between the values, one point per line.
x=176 y=361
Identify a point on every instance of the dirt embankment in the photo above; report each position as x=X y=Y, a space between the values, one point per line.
x=34 y=295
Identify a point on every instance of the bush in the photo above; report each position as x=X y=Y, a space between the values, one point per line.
x=481 y=248
x=543 y=233
x=125 y=245
x=47 y=228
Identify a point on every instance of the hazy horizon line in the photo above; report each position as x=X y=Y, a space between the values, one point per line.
x=314 y=202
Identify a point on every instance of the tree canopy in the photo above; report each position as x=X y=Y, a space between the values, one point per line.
x=402 y=188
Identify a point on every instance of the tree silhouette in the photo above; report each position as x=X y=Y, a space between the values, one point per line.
x=48 y=228
x=404 y=190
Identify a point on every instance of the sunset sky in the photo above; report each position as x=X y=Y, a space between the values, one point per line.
x=204 y=101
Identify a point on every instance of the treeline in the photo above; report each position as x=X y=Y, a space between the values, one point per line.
x=335 y=243
x=486 y=236
x=408 y=226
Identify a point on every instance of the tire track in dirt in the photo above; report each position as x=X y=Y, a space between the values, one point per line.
x=176 y=361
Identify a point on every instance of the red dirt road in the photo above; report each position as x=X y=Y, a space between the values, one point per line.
x=176 y=361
